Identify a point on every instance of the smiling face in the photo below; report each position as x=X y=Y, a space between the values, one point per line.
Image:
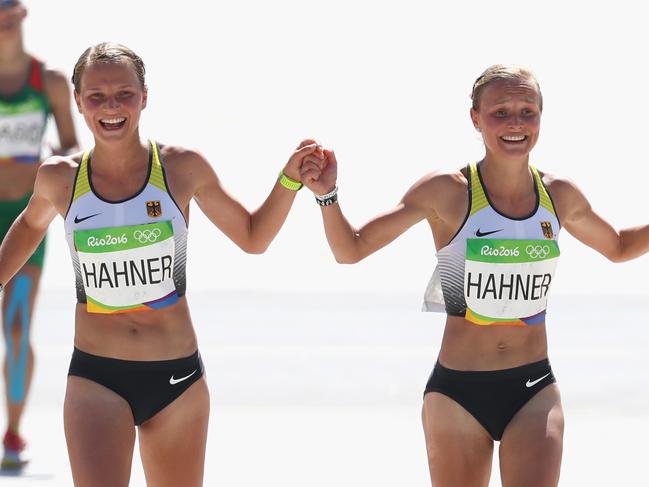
x=111 y=98
x=509 y=117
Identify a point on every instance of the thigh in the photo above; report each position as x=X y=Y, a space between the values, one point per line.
x=172 y=443
x=100 y=434
x=531 y=447
x=459 y=449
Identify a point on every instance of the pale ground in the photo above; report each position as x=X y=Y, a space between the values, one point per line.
x=331 y=395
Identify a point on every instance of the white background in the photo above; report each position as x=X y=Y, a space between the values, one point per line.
x=386 y=84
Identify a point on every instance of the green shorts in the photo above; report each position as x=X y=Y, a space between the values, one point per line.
x=9 y=211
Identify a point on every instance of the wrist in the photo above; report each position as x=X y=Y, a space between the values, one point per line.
x=289 y=182
x=329 y=198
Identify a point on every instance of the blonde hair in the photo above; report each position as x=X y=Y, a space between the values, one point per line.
x=505 y=72
x=108 y=53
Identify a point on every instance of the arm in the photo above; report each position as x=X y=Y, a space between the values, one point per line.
x=29 y=228
x=583 y=223
x=58 y=94
x=350 y=245
x=251 y=231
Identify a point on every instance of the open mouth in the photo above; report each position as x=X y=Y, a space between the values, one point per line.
x=112 y=123
x=514 y=138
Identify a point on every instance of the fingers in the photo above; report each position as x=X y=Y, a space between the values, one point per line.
x=309 y=143
x=314 y=151
x=310 y=176
x=311 y=167
x=314 y=159
x=310 y=171
x=330 y=157
x=306 y=142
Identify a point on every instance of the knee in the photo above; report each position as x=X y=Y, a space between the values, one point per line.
x=16 y=333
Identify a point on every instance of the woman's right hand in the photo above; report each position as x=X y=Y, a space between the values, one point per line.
x=320 y=180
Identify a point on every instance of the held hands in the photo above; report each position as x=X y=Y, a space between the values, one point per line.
x=307 y=148
x=320 y=175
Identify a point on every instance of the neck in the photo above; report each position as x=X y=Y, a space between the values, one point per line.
x=504 y=176
x=12 y=53
x=119 y=157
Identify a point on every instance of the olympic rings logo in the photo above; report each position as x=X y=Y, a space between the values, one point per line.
x=537 y=251
x=144 y=236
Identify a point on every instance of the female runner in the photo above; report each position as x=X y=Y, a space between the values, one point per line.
x=29 y=92
x=495 y=224
x=126 y=208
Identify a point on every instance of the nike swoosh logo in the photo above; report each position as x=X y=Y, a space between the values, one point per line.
x=173 y=381
x=79 y=220
x=532 y=383
x=478 y=233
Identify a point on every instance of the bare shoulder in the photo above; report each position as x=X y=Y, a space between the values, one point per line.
x=187 y=170
x=566 y=196
x=437 y=186
x=55 y=84
x=559 y=187
x=176 y=157
x=60 y=167
x=184 y=164
x=55 y=180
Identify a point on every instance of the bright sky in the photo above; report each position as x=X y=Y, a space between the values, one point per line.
x=386 y=85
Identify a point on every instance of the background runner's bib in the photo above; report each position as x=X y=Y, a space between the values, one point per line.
x=23 y=118
x=508 y=278
x=20 y=134
x=124 y=267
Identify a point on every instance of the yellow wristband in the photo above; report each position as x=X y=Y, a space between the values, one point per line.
x=289 y=183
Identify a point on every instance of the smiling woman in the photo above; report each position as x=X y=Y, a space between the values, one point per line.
x=495 y=224
x=125 y=206
x=126 y=94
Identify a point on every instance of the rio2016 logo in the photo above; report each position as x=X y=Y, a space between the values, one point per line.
x=499 y=251
x=107 y=239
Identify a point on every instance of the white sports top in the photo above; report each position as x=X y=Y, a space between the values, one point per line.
x=128 y=255
x=497 y=270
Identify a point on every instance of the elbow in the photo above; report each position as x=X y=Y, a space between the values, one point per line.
x=617 y=257
x=614 y=258
x=619 y=254
x=347 y=259
x=255 y=248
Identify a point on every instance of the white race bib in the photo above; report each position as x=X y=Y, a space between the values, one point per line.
x=508 y=280
x=127 y=268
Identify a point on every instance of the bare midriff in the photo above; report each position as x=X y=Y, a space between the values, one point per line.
x=466 y=346
x=142 y=335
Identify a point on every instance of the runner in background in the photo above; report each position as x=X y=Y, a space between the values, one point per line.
x=29 y=93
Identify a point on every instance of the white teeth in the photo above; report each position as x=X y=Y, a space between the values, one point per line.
x=513 y=138
x=113 y=120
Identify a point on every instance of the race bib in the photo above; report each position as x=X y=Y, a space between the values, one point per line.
x=20 y=134
x=127 y=268
x=508 y=280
